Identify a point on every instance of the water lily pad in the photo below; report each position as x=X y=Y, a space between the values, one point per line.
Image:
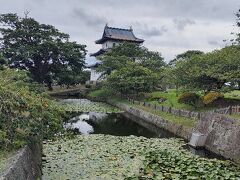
x=121 y=157
x=84 y=105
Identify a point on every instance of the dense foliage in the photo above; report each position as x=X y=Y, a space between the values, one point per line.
x=41 y=49
x=25 y=113
x=186 y=55
x=132 y=80
x=132 y=68
x=211 y=97
x=192 y=99
x=238 y=25
x=130 y=53
x=129 y=157
x=210 y=71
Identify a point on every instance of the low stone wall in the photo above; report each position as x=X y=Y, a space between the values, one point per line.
x=171 y=110
x=25 y=165
x=176 y=129
x=223 y=135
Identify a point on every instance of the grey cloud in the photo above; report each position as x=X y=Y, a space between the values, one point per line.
x=88 y=18
x=180 y=24
x=213 y=43
x=159 y=22
x=154 y=31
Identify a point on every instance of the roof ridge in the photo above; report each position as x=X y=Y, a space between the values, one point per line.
x=119 y=28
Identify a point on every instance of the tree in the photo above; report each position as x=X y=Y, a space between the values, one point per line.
x=238 y=25
x=132 y=68
x=39 y=48
x=186 y=55
x=209 y=71
x=130 y=53
x=70 y=79
x=132 y=79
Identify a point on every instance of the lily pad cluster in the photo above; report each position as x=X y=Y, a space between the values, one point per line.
x=129 y=157
x=84 y=105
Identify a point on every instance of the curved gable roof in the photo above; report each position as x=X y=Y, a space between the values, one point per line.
x=111 y=33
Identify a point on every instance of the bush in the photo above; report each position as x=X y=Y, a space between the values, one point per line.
x=156 y=97
x=211 y=97
x=88 y=86
x=101 y=93
x=25 y=113
x=189 y=98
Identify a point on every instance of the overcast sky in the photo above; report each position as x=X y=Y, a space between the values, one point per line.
x=168 y=26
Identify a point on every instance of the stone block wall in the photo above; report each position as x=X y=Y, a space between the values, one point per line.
x=26 y=164
x=223 y=135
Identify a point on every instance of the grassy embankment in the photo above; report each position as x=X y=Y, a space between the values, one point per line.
x=171 y=97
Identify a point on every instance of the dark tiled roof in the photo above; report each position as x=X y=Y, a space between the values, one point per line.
x=100 y=52
x=111 y=33
x=94 y=65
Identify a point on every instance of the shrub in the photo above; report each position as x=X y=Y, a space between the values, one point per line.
x=101 y=93
x=189 y=98
x=157 y=97
x=211 y=97
x=88 y=86
x=24 y=112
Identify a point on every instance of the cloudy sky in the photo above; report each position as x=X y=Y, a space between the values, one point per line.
x=168 y=26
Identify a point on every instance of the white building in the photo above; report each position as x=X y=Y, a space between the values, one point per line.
x=112 y=37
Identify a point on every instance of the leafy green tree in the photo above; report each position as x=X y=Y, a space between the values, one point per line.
x=209 y=71
x=186 y=55
x=39 y=48
x=26 y=114
x=128 y=53
x=238 y=25
x=132 y=68
x=132 y=79
x=70 y=79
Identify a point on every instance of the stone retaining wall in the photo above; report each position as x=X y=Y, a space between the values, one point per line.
x=26 y=164
x=174 y=128
x=223 y=135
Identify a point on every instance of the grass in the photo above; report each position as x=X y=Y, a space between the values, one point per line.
x=172 y=101
x=4 y=157
x=187 y=122
x=235 y=116
x=233 y=95
x=100 y=93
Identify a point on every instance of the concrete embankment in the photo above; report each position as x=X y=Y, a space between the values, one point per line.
x=222 y=133
x=26 y=164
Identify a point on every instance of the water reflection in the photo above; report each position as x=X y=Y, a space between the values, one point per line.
x=79 y=123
